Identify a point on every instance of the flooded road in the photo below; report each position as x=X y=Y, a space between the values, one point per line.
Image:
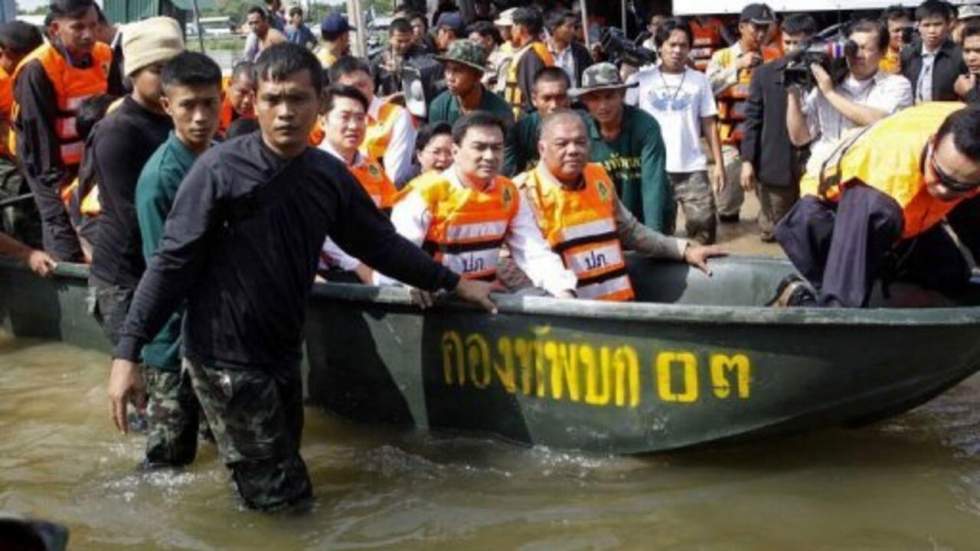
x=910 y=483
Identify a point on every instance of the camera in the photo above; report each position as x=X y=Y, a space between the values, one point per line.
x=829 y=55
x=621 y=50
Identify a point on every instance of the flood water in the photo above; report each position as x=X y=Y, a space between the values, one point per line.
x=910 y=483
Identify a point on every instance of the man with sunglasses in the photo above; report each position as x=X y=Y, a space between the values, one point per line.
x=874 y=197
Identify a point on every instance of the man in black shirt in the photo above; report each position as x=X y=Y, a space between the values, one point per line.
x=241 y=245
x=120 y=146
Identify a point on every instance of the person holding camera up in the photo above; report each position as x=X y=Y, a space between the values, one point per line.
x=864 y=96
x=730 y=72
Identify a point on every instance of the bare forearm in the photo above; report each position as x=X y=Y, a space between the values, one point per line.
x=13 y=248
x=709 y=126
x=799 y=133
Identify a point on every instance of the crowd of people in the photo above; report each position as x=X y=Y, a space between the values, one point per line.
x=498 y=155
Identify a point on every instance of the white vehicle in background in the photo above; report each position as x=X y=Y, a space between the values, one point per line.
x=220 y=26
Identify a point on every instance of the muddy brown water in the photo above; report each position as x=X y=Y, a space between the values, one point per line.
x=909 y=483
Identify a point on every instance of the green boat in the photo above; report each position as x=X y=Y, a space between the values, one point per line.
x=697 y=360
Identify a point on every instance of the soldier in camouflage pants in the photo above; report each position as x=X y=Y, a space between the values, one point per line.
x=173 y=416
x=693 y=191
x=257 y=420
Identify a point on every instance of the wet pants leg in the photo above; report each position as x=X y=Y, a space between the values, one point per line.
x=840 y=251
x=693 y=191
x=173 y=415
x=257 y=419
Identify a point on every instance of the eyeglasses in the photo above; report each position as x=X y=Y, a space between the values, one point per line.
x=948 y=181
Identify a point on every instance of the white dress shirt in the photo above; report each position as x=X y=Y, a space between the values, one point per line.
x=923 y=91
x=564 y=59
x=412 y=218
x=331 y=254
x=401 y=145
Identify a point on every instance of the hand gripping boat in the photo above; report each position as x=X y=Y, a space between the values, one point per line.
x=701 y=360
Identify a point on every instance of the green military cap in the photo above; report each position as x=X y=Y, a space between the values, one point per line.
x=601 y=76
x=467 y=52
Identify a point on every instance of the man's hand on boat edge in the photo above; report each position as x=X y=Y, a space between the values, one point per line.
x=698 y=255
x=126 y=385
x=470 y=290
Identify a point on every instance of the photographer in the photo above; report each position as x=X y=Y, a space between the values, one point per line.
x=968 y=86
x=865 y=96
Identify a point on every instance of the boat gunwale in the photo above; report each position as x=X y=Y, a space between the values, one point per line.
x=630 y=311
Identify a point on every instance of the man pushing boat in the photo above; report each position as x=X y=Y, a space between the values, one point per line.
x=241 y=245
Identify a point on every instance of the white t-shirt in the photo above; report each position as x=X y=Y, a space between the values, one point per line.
x=678 y=102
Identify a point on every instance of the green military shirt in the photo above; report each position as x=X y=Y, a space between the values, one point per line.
x=445 y=108
x=155 y=193
x=636 y=162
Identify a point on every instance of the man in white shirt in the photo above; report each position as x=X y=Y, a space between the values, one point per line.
x=390 y=136
x=681 y=100
x=865 y=96
x=464 y=215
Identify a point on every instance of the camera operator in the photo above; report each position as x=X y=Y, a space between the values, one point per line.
x=900 y=27
x=865 y=96
x=968 y=86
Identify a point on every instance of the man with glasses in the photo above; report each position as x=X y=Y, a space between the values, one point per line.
x=875 y=197
x=680 y=99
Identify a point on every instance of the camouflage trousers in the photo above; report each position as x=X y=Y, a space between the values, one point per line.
x=173 y=415
x=256 y=416
x=693 y=191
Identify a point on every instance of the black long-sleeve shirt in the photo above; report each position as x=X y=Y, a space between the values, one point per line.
x=121 y=144
x=241 y=244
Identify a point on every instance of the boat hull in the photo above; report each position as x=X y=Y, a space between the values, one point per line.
x=591 y=376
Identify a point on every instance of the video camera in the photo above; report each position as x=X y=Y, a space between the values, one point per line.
x=829 y=55
x=621 y=50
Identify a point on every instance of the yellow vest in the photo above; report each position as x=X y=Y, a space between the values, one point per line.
x=468 y=226
x=512 y=88
x=378 y=133
x=888 y=156
x=891 y=62
x=580 y=226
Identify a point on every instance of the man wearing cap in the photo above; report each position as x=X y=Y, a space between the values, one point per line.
x=530 y=56
x=49 y=85
x=449 y=27
x=627 y=143
x=465 y=63
x=120 y=146
x=730 y=73
x=389 y=138
x=17 y=40
x=335 y=33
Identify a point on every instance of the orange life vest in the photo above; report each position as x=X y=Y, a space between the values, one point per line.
x=72 y=85
x=888 y=156
x=375 y=182
x=706 y=39
x=316 y=134
x=580 y=226
x=378 y=133
x=731 y=101
x=6 y=104
x=891 y=62
x=512 y=88
x=468 y=226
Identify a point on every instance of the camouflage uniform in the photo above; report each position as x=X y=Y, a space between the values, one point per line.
x=173 y=415
x=693 y=191
x=257 y=419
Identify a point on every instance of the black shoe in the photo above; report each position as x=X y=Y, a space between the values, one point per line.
x=728 y=218
x=767 y=238
x=793 y=291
